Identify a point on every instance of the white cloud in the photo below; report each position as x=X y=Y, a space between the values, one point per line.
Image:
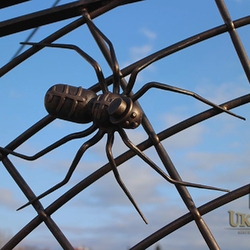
x=188 y=138
x=138 y=52
x=139 y=179
x=7 y=199
x=148 y=33
x=222 y=92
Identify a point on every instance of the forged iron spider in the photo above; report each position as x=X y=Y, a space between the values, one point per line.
x=109 y=112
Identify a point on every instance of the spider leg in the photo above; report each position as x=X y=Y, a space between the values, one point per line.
x=162 y=86
x=97 y=137
x=109 y=54
x=87 y=57
x=117 y=175
x=52 y=146
x=134 y=148
x=132 y=78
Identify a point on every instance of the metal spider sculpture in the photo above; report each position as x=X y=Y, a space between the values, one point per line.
x=110 y=112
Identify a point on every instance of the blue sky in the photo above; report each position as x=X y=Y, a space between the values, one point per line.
x=215 y=152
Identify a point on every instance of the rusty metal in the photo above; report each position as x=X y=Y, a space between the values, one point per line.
x=115 y=111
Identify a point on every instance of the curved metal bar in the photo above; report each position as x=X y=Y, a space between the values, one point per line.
x=30 y=132
x=60 y=33
x=31 y=51
x=52 y=146
x=32 y=33
x=150 y=240
x=182 y=190
x=55 y=230
x=239 y=48
x=97 y=137
x=185 y=219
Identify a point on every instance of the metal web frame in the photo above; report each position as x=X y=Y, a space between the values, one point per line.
x=95 y=9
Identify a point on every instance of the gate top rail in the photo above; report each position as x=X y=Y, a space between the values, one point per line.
x=52 y=15
x=7 y=3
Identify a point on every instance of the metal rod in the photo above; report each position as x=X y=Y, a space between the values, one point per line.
x=30 y=132
x=61 y=32
x=47 y=16
x=234 y=37
x=31 y=34
x=7 y=3
x=37 y=205
x=16 y=176
x=185 y=195
x=185 y=219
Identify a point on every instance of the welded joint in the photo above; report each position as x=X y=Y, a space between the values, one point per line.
x=194 y=211
x=154 y=138
x=42 y=214
x=230 y=26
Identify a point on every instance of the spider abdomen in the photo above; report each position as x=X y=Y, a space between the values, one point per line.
x=70 y=103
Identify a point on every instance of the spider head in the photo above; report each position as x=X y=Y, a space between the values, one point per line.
x=111 y=110
x=124 y=112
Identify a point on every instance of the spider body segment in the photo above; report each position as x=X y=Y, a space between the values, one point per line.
x=81 y=105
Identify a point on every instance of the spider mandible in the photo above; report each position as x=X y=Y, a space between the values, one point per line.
x=110 y=112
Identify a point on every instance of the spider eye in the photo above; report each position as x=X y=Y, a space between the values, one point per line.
x=124 y=112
